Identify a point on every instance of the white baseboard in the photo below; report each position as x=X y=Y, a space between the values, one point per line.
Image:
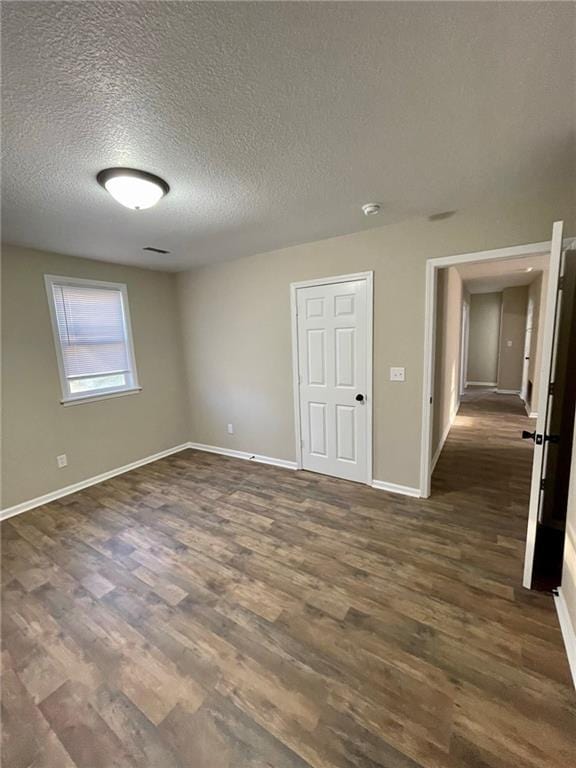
x=568 y=631
x=380 y=485
x=39 y=501
x=481 y=383
x=508 y=392
x=405 y=490
x=244 y=455
x=444 y=438
x=24 y=506
x=439 y=449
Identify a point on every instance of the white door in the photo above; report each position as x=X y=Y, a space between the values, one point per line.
x=549 y=343
x=527 y=347
x=334 y=360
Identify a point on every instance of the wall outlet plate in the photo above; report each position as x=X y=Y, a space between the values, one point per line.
x=230 y=429
x=397 y=374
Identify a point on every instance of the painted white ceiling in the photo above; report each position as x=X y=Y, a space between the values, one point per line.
x=493 y=276
x=273 y=122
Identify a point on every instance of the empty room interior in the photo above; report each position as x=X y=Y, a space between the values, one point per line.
x=288 y=325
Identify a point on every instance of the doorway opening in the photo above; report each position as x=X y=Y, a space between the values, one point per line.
x=503 y=311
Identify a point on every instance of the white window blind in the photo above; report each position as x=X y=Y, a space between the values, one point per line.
x=91 y=328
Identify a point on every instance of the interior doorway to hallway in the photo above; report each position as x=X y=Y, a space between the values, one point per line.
x=481 y=336
x=508 y=302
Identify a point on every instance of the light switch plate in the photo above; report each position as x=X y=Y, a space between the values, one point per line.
x=62 y=461
x=397 y=374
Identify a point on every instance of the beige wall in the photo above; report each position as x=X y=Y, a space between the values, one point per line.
x=447 y=356
x=97 y=436
x=483 y=338
x=569 y=568
x=537 y=294
x=512 y=337
x=236 y=321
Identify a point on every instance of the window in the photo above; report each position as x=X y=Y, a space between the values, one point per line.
x=91 y=325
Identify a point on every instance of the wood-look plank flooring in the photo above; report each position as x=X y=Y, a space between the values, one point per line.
x=213 y=613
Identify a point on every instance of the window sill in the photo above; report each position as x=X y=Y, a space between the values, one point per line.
x=103 y=396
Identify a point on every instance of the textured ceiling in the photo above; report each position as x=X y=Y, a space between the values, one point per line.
x=273 y=122
x=489 y=276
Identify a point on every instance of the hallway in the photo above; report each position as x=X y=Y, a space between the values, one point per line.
x=485 y=467
x=209 y=612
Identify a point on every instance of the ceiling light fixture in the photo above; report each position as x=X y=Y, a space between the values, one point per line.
x=132 y=188
x=371 y=209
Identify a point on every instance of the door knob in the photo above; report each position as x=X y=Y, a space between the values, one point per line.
x=528 y=435
x=359 y=398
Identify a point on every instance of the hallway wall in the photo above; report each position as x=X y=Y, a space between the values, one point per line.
x=447 y=355
x=512 y=335
x=484 y=338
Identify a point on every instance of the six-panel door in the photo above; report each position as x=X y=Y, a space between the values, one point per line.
x=332 y=359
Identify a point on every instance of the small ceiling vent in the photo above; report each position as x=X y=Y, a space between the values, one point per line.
x=154 y=250
x=441 y=216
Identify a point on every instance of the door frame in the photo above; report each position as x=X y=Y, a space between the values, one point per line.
x=464 y=338
x=526 y=359
x=294 y=288
x=432 y=267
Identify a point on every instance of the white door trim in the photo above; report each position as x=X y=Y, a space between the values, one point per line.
x=432 y=267
x=464 y=337
x=294 y=287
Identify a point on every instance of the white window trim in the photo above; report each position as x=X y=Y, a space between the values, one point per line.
x=105 y=394
x=101 y=394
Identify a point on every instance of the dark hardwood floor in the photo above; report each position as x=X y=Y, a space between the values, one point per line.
x=212 y=613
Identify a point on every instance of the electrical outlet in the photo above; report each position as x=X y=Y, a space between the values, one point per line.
x=62 y=461
x=230 y=429
x=397 y=374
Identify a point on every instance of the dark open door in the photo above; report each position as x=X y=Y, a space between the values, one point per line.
x=550 y=532
x=554 y=426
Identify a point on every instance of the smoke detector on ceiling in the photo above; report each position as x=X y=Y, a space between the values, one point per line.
x=371 y=209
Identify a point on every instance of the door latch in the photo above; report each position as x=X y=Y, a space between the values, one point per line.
x=536 y=436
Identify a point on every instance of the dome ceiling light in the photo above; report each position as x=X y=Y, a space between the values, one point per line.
x=371 y=209
x=132 y=188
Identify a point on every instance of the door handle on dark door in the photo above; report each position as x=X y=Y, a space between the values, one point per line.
x=537 y=437
x=359 y=398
